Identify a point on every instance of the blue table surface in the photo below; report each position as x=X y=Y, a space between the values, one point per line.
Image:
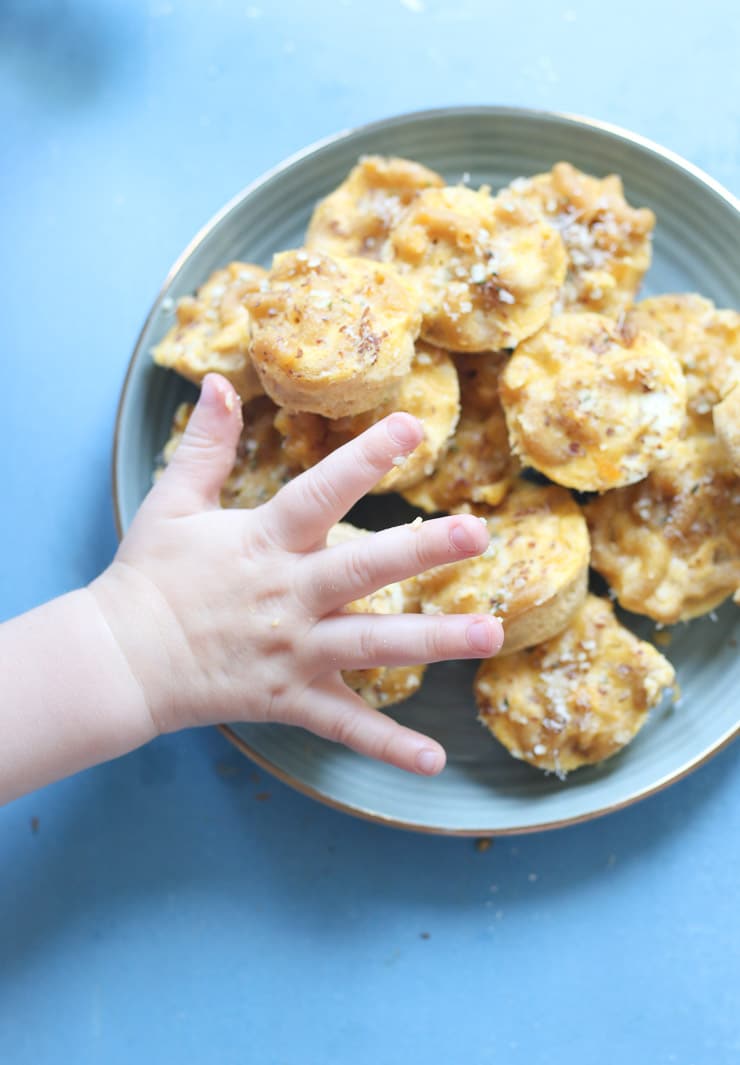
x=179 y=904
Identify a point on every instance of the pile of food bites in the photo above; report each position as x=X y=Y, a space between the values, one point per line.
x=508 y=324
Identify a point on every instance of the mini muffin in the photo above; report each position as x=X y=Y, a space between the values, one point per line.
x=591 y=406
x=261 y=468
x=670 y=545
x=608 y=243
x=381 y=686
x=477 y=467
x=430 y=392
x=332 y=336
x=577 y=698
x=705 y=340
x=533 y=575
x=356 y=218
x=488 y=273
x=726 y=417
x=212 y=331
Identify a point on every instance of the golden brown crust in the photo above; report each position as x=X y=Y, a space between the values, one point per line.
x=212 y=331
x=430 y=391
x=705 y=340
x=357 y=217
x=381 y=686
x=261 y=468
x=726 y=416
x=332 y=336
x=533 y=573
x=477 y=467
x=670 y=545
x=577 y=698
x=591 y=405
x=488 y=272
x=607 y=241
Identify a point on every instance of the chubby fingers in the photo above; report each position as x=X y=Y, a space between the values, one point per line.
x=329 y=579
x=204 y=458
x=359 y=641
x=336 y=713
x=302 y=512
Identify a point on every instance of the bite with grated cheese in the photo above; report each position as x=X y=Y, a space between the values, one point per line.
x=487 y=273
x=212 y=331
x=533 y=574
x=477 y=467
x=356 y=219
x=332 y=336
x=590 y=405
x=704 y=339
x=430 y=391
x=670 y=545
x=608 y=242
x=577 y=698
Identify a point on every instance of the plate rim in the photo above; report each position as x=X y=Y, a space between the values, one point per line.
x=424 y=114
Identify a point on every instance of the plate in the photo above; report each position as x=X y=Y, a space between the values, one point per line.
x=483 y=791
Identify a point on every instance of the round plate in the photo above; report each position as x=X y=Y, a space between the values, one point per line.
x=483 y=791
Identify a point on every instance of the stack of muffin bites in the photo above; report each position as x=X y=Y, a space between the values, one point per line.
x=507 y=324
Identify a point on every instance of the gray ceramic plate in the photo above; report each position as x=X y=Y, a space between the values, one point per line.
x=697 y=248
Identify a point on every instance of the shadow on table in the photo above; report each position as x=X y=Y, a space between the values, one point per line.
x=188 y=818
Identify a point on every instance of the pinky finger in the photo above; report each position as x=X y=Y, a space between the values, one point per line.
x=334 y=712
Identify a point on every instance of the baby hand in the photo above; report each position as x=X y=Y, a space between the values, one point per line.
x=226 y=615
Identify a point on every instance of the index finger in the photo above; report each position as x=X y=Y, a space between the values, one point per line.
x=304 y=510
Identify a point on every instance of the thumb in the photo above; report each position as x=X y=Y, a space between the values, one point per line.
x=205 y=456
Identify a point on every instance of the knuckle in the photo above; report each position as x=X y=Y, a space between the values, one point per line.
x=319 y=491
x=345 y=729
x=385 y=747
x=358 y=571
x=367 y=644
x=372 y=457
x=436 y=643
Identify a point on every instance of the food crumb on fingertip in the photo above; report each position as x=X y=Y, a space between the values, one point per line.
x=229 y=401
x=398 y=460
x=275 y=623
x=416 y=522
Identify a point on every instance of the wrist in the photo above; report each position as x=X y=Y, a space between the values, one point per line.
x=127 y=605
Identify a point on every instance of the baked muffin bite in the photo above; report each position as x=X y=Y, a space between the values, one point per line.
x=608 y=243
x=211 y=333
x=704 y=339
x=726 y=418
x=487 y=272
x=357 y=217
x=533 y=575
x=670 y=545
x=332 y=336
x=590 y=405
x=381 y=686
x=477 y=468
x=577 y=698
x=261 y=468
x=430 y=391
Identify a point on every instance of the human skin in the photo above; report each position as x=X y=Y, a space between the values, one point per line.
x=208 y=615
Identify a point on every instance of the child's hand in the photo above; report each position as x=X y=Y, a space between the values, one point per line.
x=227 y=615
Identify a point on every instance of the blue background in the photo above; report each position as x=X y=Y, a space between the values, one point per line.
x=180 y=905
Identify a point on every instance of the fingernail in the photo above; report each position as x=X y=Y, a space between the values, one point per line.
x=404 y=432
x=463 y=539
x=429 y=761
x=218 y=393
x=484 y=636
